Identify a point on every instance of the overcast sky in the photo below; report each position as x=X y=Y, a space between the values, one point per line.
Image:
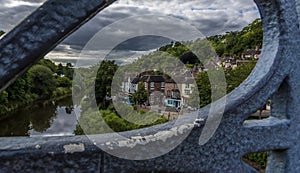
x=210 y=17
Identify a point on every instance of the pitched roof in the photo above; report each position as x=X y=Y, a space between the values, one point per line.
x=252 y=52
x=148 y=78
x=189 y=81
x=170 y=80
x=136 y=80
x=154 y=78
x=159 y=78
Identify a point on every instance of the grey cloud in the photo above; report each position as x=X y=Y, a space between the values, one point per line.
x=143 y=43
x=10 y=17
x=218 y=22
x=105 y=18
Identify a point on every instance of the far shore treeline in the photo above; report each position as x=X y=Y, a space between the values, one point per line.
x=44 y=82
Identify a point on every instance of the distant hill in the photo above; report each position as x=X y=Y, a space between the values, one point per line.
x=229 y=44
x=180 y=51
x=235 y=43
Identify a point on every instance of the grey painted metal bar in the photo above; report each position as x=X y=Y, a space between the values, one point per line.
x=276 y=76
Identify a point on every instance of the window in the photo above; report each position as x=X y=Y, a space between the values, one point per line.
x=187 y=85
x=176 y=94
x=162 y=84
x=168 y=93
x=152 y=84
x=187 y=92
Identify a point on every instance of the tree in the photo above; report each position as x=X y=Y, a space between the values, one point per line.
x=141 y=95
x=43 y=82
x=19 y=88
x=68 y=71
x=234 y=77
x=235 y=43
x=103 y=83
x=194 y=98
x=60 y=69
x=37 y=83
x=3 y=97
x=3 y=103
x=63 y=82
x=204 y=89
x=1 y=32
x=48 y=63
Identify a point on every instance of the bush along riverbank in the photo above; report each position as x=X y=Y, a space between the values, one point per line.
x=42 y=83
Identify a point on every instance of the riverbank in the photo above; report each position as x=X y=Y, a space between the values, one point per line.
x=55 y=119
x=60 y=94
x=8 y=109
x=33 y=101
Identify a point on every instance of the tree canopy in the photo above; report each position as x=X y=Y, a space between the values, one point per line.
x=1 y=32
x=42 y=81
x=141 y=95
x=236 y=42
x=38 y=83
x=103 y=82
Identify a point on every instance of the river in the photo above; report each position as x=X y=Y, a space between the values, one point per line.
x=54 y=119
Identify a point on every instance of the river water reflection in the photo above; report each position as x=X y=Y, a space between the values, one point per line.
x=54 y=119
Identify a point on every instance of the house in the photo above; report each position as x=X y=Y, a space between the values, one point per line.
x=181 y=89
x=126 y=85
x=252 y=54
x=172 y=90
x=229 y=62
x=186 y=88
x=134 y=84
x=161 y=88
x=154 y=84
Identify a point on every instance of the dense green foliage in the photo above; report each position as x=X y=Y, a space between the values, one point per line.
x=103 y=83
x=42 y=81
x=39 y=83
x=49 y=64
x=1 y=32
x=235 y=43
x=141 y=95
x=234 y=77
x=204 y=89
x=108 y=116
x=181 y=51
x=194 y=98
x=63 y=82
x=258 y=158
x=105 y=121
x=176 y=49
x=66 y=70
